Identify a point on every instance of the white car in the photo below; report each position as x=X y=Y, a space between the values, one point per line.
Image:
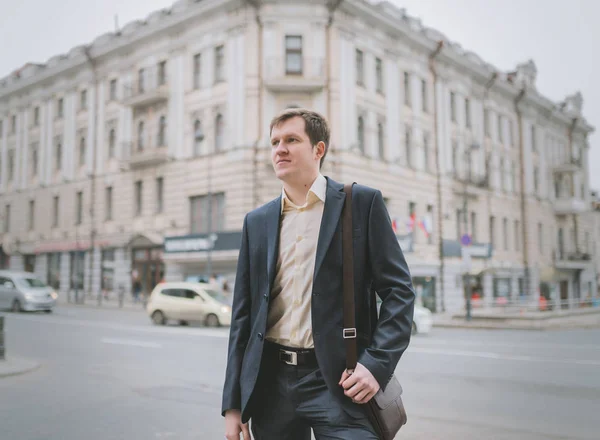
x=186 y=302
x=422 y=318
x=24 y=291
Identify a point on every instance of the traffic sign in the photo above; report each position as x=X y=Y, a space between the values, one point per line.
x=465 y=240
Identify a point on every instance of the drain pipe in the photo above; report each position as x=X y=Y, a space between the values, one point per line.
x=438 y=168
x=255 y=148
x=518 y=100
x=332 y=6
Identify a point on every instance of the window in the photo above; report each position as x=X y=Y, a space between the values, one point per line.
x=533 y=138
x=424 y=96
x=34 y=159
x=1 y=127
x=36 y=116
x=474 y=227
x=426 y=151
x=502 y=175
x=467 y=113
x=83 y=100
x=455 y=157
x=428 y=223
x=486 y=122
x=219 y=132
x=536 y=176
x=540 y=238
x=58 y=155
x=492 y=231
x=11 y=165
x=381 y=140
x=452 y=106
x=378 y=75
x=513 y=176
x=109 y=203
x=107 y=264
x=517 y=236
x=141 y=135
x=141 y=81
x=293 y=54
x=360 y=68
x=138 y=198
x=197 y=66
x=60 y=108
x=197 y=138
x=205 y=217
x=53 y=270
x=407 y=100
x=408 y=146
x=113 y=89
x=162 y=131
x=7 y=219
x=459 y=222
x=77 y=269
x=31 y=223
x=55 y=211
x=505 y=232
x=82 y=151
x=79 y=208
x=361 y=134
x=162 y=73
x=159 y=195
x=219 y=64
x=112 y=141
x=511 y=135
x=500 y=129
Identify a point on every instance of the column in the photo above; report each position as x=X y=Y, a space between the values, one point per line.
x=347 y=133
x=175 y=116
x=50 y=145
x=101 y=127
x=236 y=94
x=392 y=90
x=3 y=154
x=65 y=272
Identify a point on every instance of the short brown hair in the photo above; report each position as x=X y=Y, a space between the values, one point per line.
x=315 y=125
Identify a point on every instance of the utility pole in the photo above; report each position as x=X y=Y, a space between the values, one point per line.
x=468 y=179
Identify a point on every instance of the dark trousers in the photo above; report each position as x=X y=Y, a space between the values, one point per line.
x=290 y=400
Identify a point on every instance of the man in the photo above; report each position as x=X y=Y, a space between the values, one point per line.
x=286 y=358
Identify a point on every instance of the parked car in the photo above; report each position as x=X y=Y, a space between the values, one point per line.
x=189 y=302
x=23 y=291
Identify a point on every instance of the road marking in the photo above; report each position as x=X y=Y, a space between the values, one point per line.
x=131 y=343
x=432 y=341
x=500 y=356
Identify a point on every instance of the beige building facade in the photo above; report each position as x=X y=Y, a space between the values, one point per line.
x=141 y=152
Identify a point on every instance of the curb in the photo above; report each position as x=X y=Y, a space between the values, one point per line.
x=14 y=366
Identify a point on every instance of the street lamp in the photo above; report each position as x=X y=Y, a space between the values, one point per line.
x=199 y=137
x=468 y=179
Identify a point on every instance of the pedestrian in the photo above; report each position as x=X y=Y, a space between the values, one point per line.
x=286 y=357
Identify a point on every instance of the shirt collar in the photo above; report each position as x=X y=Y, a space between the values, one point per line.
x=318 y=188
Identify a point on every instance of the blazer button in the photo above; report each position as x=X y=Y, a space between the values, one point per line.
x=260 y=336
x=266 y=295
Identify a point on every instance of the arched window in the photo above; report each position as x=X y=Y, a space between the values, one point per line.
x=140 y=139
x=380 y=140
x=198 y=137
x=162 y=131
x=361 y=134
x=112 y=140
x=219 y=128
x=82 y=151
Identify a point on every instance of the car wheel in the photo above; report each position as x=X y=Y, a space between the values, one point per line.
x=183 y=323
x=48 y=311
x=212 y=321
x=16 y=306
x=159 y=318
x=414 y=328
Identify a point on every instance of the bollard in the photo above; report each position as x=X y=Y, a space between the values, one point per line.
x=1 y=338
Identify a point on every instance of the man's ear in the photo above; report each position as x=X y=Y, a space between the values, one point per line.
x=320 y=149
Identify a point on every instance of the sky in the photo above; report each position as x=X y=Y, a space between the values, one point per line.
x=557 y=34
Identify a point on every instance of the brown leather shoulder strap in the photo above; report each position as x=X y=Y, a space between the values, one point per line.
x=349 y=331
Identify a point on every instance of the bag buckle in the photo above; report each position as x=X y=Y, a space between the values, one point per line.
x=289 y=357
x=349 y=333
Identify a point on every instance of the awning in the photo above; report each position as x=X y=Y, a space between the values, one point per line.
x=147 y=239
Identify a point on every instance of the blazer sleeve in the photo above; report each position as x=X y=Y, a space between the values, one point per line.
x=240 y=327
x=392 y=281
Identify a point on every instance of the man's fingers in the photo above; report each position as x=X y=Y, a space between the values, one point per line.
x=246 y=432
x=360 y=397
x=350 y=381
x=345 y=376
x=353 y=391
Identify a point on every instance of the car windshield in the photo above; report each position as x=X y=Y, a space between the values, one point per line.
x=31 y=282
x=218 y=296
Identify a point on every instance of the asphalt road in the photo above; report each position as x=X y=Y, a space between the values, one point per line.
x=112 y=375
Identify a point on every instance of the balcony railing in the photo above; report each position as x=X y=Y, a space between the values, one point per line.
x=569 y=165
x=569 y=205
x=305 y=74
x=150 y=86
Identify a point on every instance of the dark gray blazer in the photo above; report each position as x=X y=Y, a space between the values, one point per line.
x=379 y=266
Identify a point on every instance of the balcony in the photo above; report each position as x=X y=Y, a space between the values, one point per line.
x=572 y=260
x=150 y=87
x=569 y=165
x=569 y=205
x=148 y=157
x=304 y=75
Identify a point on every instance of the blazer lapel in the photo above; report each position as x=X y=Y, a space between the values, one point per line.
x=272 y=223
x=334 y=202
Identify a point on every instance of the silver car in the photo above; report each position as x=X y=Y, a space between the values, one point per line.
x=23 y=291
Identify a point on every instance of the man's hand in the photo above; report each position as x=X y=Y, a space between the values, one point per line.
x=234 y=425
x=360 y=386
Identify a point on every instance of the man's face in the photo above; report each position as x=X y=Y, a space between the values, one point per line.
x=293 y=156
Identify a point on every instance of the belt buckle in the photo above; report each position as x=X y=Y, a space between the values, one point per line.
x=293 y=357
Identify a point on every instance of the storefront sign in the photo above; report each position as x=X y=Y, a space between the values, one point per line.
x=454 y=248
x=219 y=241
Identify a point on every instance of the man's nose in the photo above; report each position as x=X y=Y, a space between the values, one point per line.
x=281 y=148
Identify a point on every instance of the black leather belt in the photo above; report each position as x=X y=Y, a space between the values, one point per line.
x=301 y=357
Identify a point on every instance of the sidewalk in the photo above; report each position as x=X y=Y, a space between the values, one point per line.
x=111 y=304
x=564 y=319
x=14 y=366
